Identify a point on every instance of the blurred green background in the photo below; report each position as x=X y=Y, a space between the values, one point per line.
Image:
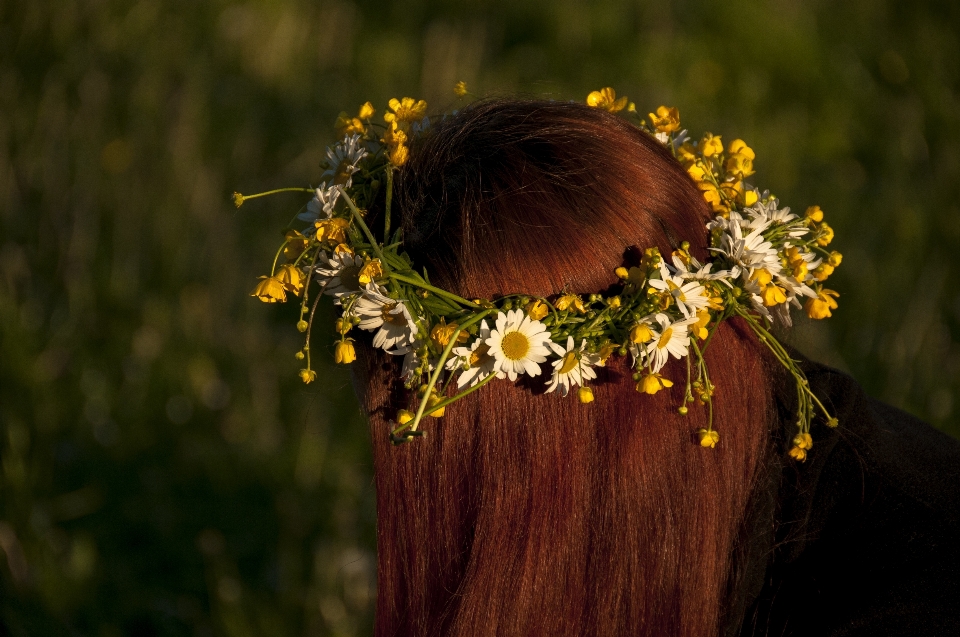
x=164 y=471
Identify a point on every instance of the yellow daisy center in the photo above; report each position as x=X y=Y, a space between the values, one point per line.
x=665 y=338
x=515 y=345
x=569 y=362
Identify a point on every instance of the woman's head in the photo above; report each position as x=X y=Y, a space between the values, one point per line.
x=522 y=512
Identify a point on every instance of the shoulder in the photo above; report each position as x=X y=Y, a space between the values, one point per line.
x=868 y=532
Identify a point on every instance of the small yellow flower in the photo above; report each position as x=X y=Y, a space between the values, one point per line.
x=460 y=89
x=666 y=119
x=442 y=333
x=700 y=327
x=308 y=376
x=302 y=326
x=295 y=245
x=347 y=125
x=750 y=197
x=814 y=213
x=697 y=172
x=366 y=111
x=371 y=270
x=708 y=438
x=652 y=383
x=606 y=350
x=825 y=235
x=398 y=155
x=820 y=307
x=798 y=453
x=773 y=295
x=762 y=276
x=822 y=272
x=437 y=413
x=621 y=272
x=332 y=230
x=585 y=394
x=404 y=416
x=711 y=145
x=342 y=327
x=568 y=301
x=687 y=154
x=345 y=353
x=739 y=165
x=835 y=259
x=405 y=110
x=270 y=290
x=832 y=422
x=291 y=278
x=804 y=441
x=614 y=302
x=739 y=147
x=712 y=195
x=537 y=309
x=606 y=98
x=238 y=199
x=732 y=190
x=393 y=136
x=641 y=333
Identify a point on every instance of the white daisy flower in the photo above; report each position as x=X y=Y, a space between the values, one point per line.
x=672 y=339
x=574 y=366
x=322 y=205
x=703 y=273
x=474 y=362
x=689 y=296
x=750 y=252
x=519 y=344
x=342 y=160
x=391 y=318
x=339 y=273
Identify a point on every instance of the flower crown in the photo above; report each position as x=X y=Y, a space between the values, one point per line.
x=764 y=260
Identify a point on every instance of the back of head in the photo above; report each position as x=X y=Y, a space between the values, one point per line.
x=523 y=513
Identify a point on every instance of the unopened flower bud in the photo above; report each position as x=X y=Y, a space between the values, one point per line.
x=302 y=325
x=585 y=394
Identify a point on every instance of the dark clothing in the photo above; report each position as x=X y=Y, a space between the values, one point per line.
x=862 y=539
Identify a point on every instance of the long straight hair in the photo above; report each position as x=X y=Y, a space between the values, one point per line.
x=520 y=512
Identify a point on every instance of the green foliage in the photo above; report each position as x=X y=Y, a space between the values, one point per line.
x=164 y=471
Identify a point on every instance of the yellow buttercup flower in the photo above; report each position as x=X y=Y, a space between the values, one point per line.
x=606 y=350
x=308 y=376
x=687 y=154
x=436 y=413
x=652 y=383
x=606 y=98
x=393 y=136
x=270 y=290
x=712 y=195
x=291 y=278
x=641 y=333
x=347 y=125
x=405 y=110
x=814 y=213
x=739 y=147
x=344 y=354
x=568 y=301
x=585 y=394
x=804 y=441
x=366 y=111
x=700 y=327
x=332 y=230
x=773 y=295
x=666 y=119
x=371 y=270
x=614 y=302
x=460 y=89
x=537 y=309
x=295 y=244
x=820 y=307
x=825 y=235
x=750 y=197
x=762 y=276
x=708 y=438
x=399 y=155
x=822 y=272
x=835 y=259
x=798 y=453
x=404 y=416
x=711 y=145
x=739 y=165
x=442 y=333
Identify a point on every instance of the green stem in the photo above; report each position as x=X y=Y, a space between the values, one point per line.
x=273 y=192
x=439 y=368
x=386 y=213
x=437 y=291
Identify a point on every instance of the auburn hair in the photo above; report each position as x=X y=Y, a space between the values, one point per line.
x=524 y=513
